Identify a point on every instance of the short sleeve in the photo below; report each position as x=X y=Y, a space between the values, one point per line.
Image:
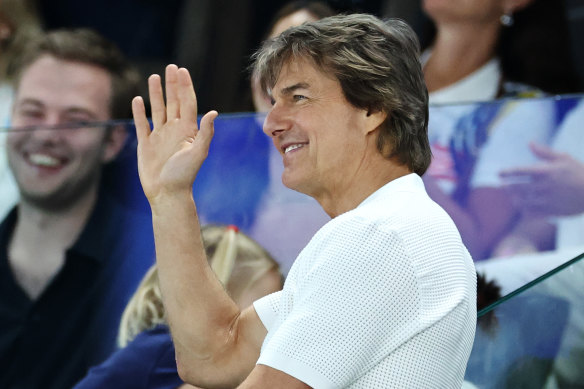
x=267 y=308
x=358 y=300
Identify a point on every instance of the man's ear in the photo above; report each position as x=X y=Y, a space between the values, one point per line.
x=373 y=119
x=114 y=142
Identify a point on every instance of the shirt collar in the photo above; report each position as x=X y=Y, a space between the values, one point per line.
x=408 y=183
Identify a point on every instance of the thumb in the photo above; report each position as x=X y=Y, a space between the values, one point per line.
x=207 y=128
x=543 y=152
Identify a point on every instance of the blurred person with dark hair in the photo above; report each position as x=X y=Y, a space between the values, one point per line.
x=384 y=295
x=19 y=22
x=146 y=358
x=469 y=60
x=481 y=50
x=549 y=194
x=68 y=258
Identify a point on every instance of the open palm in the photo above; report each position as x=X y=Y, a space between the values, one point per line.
x=171 y=154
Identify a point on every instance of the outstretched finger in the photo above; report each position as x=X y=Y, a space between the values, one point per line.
x=140 y=119
x=156 y=101
x=523 y=173
x=187 y=98
x=172 y=104
x=544 y=152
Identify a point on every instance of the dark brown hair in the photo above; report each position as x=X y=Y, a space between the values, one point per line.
x=377 y=64
x=88 y=47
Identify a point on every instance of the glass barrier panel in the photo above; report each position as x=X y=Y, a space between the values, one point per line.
x=534 y=336
x=508 y=172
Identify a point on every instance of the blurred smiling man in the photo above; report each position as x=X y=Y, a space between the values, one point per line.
x=66 y=268
x=57 y=169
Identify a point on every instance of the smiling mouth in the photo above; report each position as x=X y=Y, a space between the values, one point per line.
x=44 y=160
x=293 y=147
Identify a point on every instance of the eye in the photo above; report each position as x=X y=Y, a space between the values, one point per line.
x=30 y=115
x=77 y=121
x=299 y=97
x=77 y=124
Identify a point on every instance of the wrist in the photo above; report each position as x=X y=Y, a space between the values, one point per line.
x=167 y=201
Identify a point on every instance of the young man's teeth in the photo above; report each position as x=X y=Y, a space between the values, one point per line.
x=44 y=160
x=292 y=147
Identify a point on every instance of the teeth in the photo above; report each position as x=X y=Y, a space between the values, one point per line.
x=292 y=147
x=44 y=160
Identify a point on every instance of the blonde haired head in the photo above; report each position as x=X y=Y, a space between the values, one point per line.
x=19 y=23
x=238 y=261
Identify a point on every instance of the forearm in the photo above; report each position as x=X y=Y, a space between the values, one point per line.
x=201 y=315
x=529 y=235
x=216 y=345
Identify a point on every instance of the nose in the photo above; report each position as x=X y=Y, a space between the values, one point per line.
x=276 y=122
x=44 y=130
x=43 y=134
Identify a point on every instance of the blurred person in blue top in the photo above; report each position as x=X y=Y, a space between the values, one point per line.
x=146 y=358
x=479 y=51
x=70 y=257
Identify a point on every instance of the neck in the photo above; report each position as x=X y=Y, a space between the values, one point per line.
x=40 y=234
x=60 y=227
x=458 y=51
x=373 y=173
x=39 y=231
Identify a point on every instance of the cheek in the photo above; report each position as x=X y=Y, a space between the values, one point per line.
x=13 y=138
x=86 y=140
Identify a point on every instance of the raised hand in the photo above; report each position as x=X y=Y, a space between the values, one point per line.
x=171 y=154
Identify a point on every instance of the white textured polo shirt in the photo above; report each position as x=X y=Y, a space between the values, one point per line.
x=383 y=296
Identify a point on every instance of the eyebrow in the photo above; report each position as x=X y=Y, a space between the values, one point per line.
x=27 y=101
x=290 y=89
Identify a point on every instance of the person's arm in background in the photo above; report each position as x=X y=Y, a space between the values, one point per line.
x=552 y=187
x=216 y=344
x=490 y=212
x=531 y=234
